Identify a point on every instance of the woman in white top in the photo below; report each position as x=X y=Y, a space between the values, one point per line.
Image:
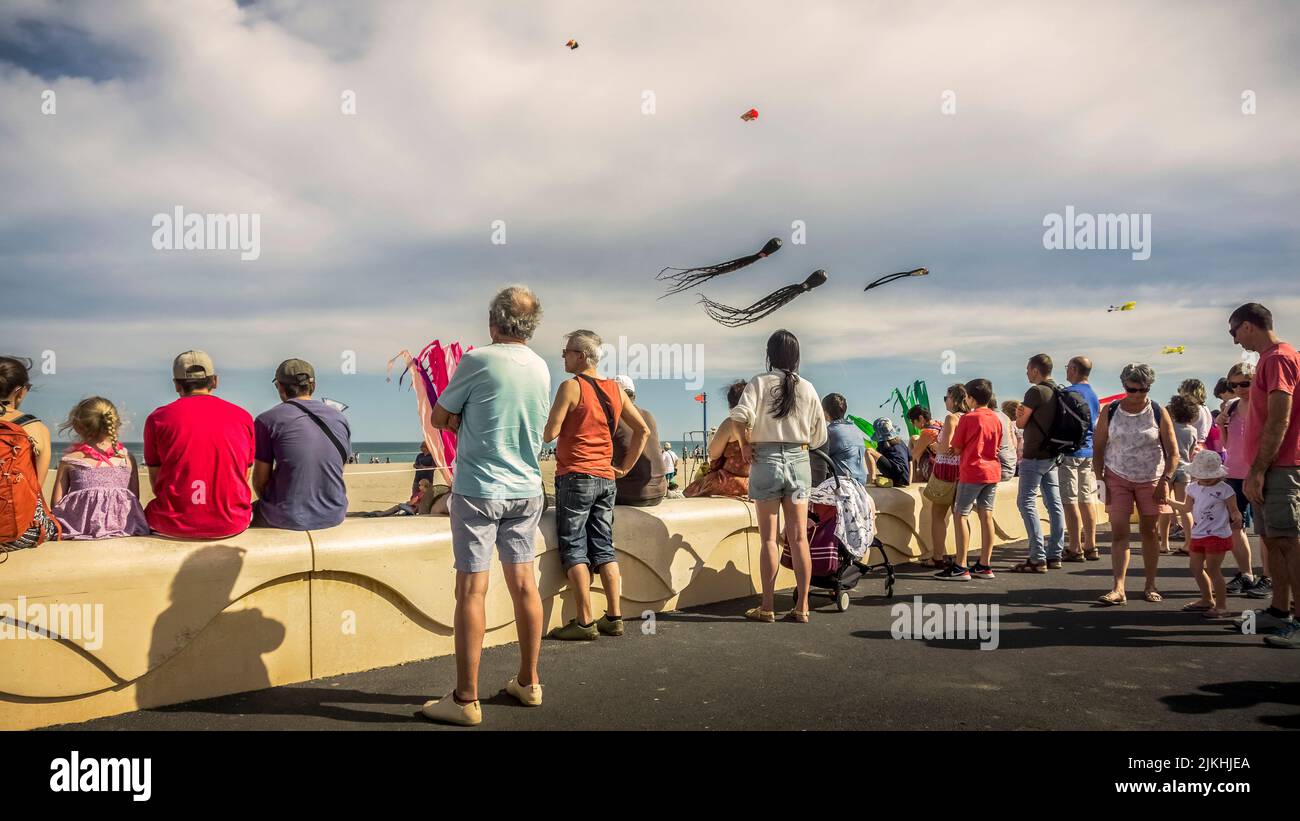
x=779 y=417
x=1134 y=454
x=1194 y=389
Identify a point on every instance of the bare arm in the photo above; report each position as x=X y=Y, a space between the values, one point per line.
x=261 y=477
x=1023 y=414
x=133 y=484
x=60 y=484
x=945 y=436
x=640 y=435
x=566 y=399
x=1099 y=437
x=718 y=444
x=443 y=419
x=41 y=434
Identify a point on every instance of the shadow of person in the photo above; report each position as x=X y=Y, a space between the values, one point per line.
x=230 y=645
x=1239 y=695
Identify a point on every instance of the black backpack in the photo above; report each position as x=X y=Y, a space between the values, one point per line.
x=1071 y=423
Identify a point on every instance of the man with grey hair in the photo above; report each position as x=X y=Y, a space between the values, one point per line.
x=496 y=403
x=1078 y=485
x=585 y=417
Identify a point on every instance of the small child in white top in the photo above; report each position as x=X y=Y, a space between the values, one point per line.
x=1215 y=517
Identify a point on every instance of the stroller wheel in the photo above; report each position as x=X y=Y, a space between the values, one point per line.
x=842 y=601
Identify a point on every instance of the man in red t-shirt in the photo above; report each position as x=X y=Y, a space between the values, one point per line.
x=1272 y=444
x=977 y=439
x=199 y=450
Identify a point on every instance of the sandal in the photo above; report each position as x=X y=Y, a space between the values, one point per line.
x=1182 y=551
x=759 y=614
x=1112 y=599
x=1029 y=567
x=1093 y=555
x=1153 y=596
x=1197 y=607
x=1216 y=613
x=1074 y=557
x=800 y=616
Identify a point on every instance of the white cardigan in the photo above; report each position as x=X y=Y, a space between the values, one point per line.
x=805 y=425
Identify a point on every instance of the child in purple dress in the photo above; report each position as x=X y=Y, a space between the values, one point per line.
x=97 y=489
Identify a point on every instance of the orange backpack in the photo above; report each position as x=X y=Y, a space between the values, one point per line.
x=20 y=489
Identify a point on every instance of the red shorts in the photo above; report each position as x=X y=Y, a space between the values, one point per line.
x=1209 y=544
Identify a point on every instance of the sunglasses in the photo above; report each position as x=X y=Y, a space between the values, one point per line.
x=1235 y=385
x=1232 y=331
x=1137 y=390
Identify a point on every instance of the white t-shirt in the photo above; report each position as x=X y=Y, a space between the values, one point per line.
x=1210 y=509
x=670 y=462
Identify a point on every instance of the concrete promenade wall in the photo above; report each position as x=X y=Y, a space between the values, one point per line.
x=146 y=622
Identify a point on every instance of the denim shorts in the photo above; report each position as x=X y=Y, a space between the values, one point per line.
x=478 y=525
x=780 y=470
x=971 y=494
x=584 y=519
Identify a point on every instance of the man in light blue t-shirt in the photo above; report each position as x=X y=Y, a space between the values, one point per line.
x=497 y=402
x=1078 y=484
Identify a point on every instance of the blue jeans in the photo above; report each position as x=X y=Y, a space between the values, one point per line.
x=584 y=519
x=1036 y=475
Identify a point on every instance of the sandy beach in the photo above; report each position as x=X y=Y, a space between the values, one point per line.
x=373 y=487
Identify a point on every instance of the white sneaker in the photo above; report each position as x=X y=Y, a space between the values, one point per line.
x=529 y=696
x=448 y=711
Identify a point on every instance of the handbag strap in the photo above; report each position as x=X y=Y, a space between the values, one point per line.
x=604 y=403
x=320 y=423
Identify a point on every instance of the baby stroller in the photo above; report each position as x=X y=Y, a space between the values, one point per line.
x=841 y=532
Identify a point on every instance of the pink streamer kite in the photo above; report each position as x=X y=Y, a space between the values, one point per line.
x=432 y=370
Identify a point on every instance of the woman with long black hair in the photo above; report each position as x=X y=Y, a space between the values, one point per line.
x=779 y=417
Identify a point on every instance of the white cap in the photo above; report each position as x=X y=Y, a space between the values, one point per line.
x=626 y=382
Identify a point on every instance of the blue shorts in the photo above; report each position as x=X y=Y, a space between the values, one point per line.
x=780 y=470
x=969 y=495
x=584 y=519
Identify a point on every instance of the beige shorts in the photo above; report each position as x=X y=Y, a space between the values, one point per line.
x=1078 y=484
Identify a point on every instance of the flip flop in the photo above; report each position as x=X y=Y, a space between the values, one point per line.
x=1153 y=596
x=1110 y=600
x=1196 y=607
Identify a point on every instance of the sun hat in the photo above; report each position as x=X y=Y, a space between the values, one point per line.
x=1207 y=465
x=883 y=430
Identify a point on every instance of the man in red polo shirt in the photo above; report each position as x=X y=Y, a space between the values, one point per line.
x=199 y=450
x=1272 y=444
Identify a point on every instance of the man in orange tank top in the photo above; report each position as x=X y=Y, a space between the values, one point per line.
x=584 y=417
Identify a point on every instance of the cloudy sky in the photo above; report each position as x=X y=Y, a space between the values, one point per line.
x=376 y=227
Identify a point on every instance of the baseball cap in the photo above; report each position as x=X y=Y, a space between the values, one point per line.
x=193 y=365
x=295 y=372
x=626 y=383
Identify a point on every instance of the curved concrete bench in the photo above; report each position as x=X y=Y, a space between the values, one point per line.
x=171 y=621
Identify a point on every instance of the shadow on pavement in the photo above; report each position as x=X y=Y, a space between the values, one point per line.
x=1238 y=695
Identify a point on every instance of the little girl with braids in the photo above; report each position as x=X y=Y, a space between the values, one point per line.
x=97 y=489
